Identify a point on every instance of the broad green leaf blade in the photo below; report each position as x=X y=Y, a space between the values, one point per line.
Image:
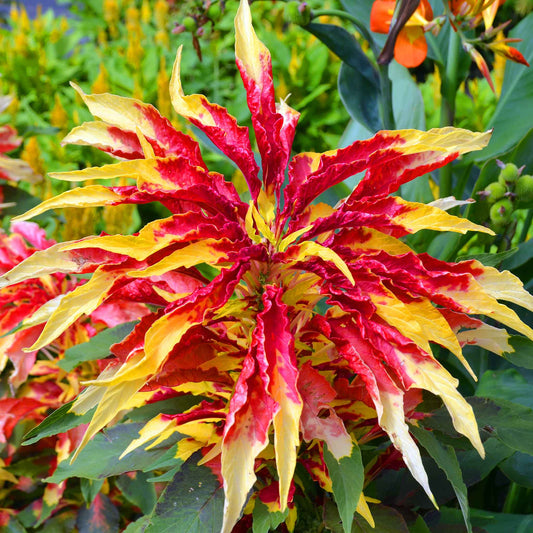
x=388 y=520
x=514 y=113
x=138 y=490
x=359 y=98
x=523 y=352
x=265 y=521
x=407 y=101
x=192 y=502
x=347 y=477
x=488 y=521
x=507 y=384
x=493 y=260
x=59 y=421
x=510 y=422
x=419 y=526
x=99 y=459
x=347 y=48
x=97 y=347
x=139 y=526
x=519 y=469
x=101 y=517
x=90 y=489
x=446 y=459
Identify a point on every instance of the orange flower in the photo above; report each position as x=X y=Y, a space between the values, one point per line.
x=411 y=47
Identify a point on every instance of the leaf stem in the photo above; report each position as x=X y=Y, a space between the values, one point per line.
x=527 y=225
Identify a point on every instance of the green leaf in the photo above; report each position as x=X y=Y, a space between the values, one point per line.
x=97 y=347
x=101 y=517
x=347 y=477
x=90 y=489
x=59 y=421
x=136 y=488
x=192 y=502
x=519 y=468
x=265 y=521
x=446 y=460
x=474 y=468
x=23 y=201
x=509 y=422
x=100 y=457
x=492 y=260
x=524 y=254
x=388 y=520
x=359 y=83
x=419 y=526
x=347 y=48
x=488 y=521
x=514 y=112
x=523 y=352
x=358 y=98
x=407 y=101
x=507 y=384
x=13 y=526
x=139 y=526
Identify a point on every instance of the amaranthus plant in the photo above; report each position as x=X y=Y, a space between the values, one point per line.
x=303 y=329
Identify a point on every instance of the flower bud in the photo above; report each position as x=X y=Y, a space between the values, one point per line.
x=509 y=174
x=524 y=188
x=298 y=13
x=494 y=192
x=190 y=24
x=501 y=211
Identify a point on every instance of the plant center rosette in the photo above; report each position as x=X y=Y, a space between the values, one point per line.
x=316 y=326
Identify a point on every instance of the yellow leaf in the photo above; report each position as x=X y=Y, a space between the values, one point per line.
x=423 y=216
x=291 y=237
x=82 y=300
x=311 y=248
x=447 y=139
x=392 y=419
x=41 y=263
x=188 y=256
x=430 y=375
x=90 y=196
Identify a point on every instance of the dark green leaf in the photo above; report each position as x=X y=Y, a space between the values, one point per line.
x=13 y=526
x=347 y=477
x=359 y=98
x=347 y=48
x=446 y=459
x=97 y=347
x=492 y=260
x=23 y=201
x=178 y=404
x=523 y=255
x=419 y=526
x=192 y=502
x=100 y=458
x=475 y=468
x=387 y=520
x=59 y=421
x=490 y=521
x=90 y=489
x=265 y=521
x=507 y=384
x=510 y=422
x=136 y=489
x=139 y=526
x=519 y=468
x=407 y=100
x=101 y=517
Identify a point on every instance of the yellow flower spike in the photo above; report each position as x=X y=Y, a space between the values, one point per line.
x=32 y=155
x=163 y=96
x=161 y=14
x=146 y=12
x=58 y=115
x=101 y=83
x=111 y=12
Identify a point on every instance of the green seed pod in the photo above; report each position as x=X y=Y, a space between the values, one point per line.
x=495 y=191
x=524 y=188
x=298 y=13
x=214 y=12
x=190 y=24
x=509 y=174
x=501 y=211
